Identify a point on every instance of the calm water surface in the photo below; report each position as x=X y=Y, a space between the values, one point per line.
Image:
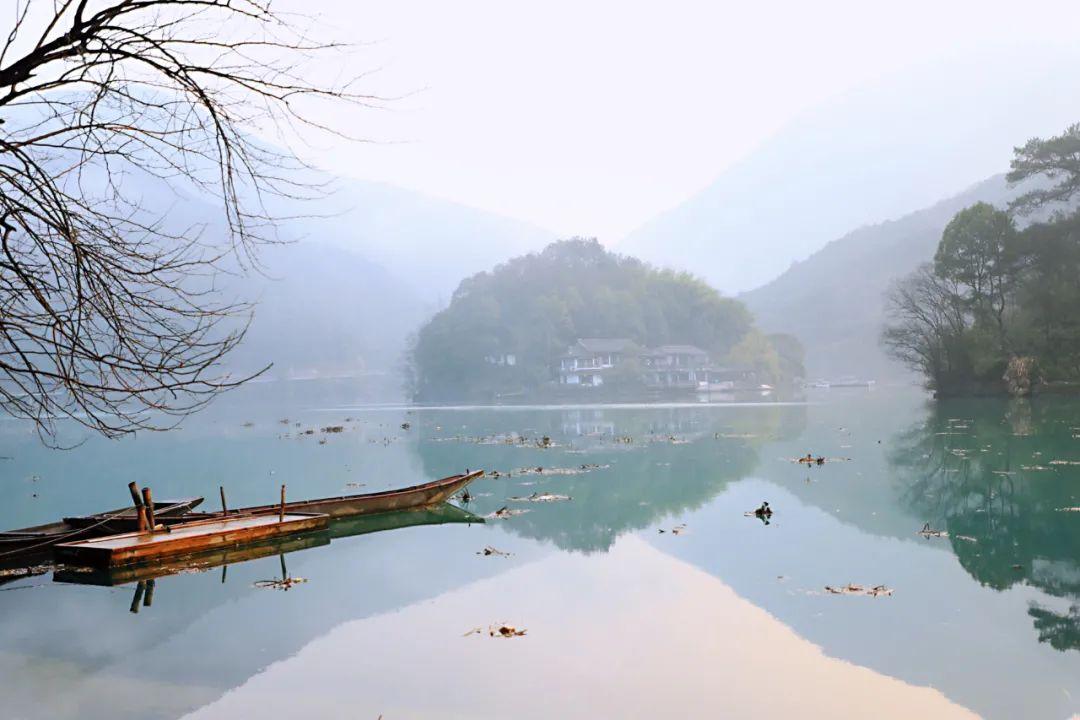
x=625 y=617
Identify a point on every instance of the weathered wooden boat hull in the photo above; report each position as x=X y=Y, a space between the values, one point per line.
x=416 y=496
x=18 y=546
x=35 y=544
x=337 y=529
x=184 y=540
x=233 y=555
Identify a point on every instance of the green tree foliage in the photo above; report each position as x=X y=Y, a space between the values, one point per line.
x=533 y=307
x=979 y=254
x=1056 y=158
x=995 y=293
x=755 y=351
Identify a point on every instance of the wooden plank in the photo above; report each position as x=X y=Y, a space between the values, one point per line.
x=185 y=539
x=218 y=557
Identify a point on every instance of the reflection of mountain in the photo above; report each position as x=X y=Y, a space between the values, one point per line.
x=206 y=633
x=677 y=459
x=993 y=473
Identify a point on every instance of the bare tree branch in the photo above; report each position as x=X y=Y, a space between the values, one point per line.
x=110 y=314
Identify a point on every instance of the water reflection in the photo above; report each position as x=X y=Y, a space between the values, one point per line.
x=653 y=614
x=998 y=476
x=641 y=466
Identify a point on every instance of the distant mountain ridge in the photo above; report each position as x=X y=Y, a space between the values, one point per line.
x=875 y=153
x=834 y=300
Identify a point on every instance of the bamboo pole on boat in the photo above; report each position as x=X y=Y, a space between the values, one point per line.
x=224 y=507
x=281 y=514
x=148 y=501
x=139 y=507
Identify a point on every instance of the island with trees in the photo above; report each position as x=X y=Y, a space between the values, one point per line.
x=625 y=327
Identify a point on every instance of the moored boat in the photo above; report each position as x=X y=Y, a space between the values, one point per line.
x=35 y=544
x=27 y=543
x=415 y=496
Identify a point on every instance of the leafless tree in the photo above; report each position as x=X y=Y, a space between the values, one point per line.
x=925 y=320
x=110 y=313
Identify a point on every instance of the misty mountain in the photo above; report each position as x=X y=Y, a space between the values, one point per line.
x=354 y=273
x=324 y=311
x=876 y=153
x=834 y=300
x=428 y=243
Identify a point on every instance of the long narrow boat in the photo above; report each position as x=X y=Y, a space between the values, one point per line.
x=38 y=540
x=35 y=543
x=232 y=555
x=415 y=496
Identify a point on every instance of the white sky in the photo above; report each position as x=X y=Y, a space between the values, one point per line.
x=591 y=117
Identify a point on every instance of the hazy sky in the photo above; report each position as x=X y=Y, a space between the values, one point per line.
x=591 y=117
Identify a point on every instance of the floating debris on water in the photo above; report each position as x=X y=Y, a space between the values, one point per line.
x=30 y=571
x=851 y=589
x=541 y=497
x=489 y=550
x=928 y=532
x=285 y=584
x=1065 y=462
x=541 y=470
x=333 y=429
x=677 y=530
x=501 y=630
x=505 y=512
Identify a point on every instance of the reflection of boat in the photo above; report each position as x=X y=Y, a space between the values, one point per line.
x=32 y=541
x=337 y=529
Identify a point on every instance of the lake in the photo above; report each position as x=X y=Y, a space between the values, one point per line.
x=648 y=593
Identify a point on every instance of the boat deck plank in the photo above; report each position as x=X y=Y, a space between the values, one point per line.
x=184 y=539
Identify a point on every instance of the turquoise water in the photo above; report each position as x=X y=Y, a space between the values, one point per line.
x=719 y=615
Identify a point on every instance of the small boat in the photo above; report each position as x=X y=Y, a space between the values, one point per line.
x=39 y=540
x=218 y=557
x=36 y=543
x=415 y=496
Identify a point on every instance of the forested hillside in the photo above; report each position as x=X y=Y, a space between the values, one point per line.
x=534 y=306
x=834 y=300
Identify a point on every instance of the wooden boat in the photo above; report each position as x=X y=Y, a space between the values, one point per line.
x=416 y=496
x=35 y=544
x=185 y=539
x=20 y=545
x=337 y=529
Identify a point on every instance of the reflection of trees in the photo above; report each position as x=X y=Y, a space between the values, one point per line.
x=648 y=479
x=1061 y=630
x=969 y=467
